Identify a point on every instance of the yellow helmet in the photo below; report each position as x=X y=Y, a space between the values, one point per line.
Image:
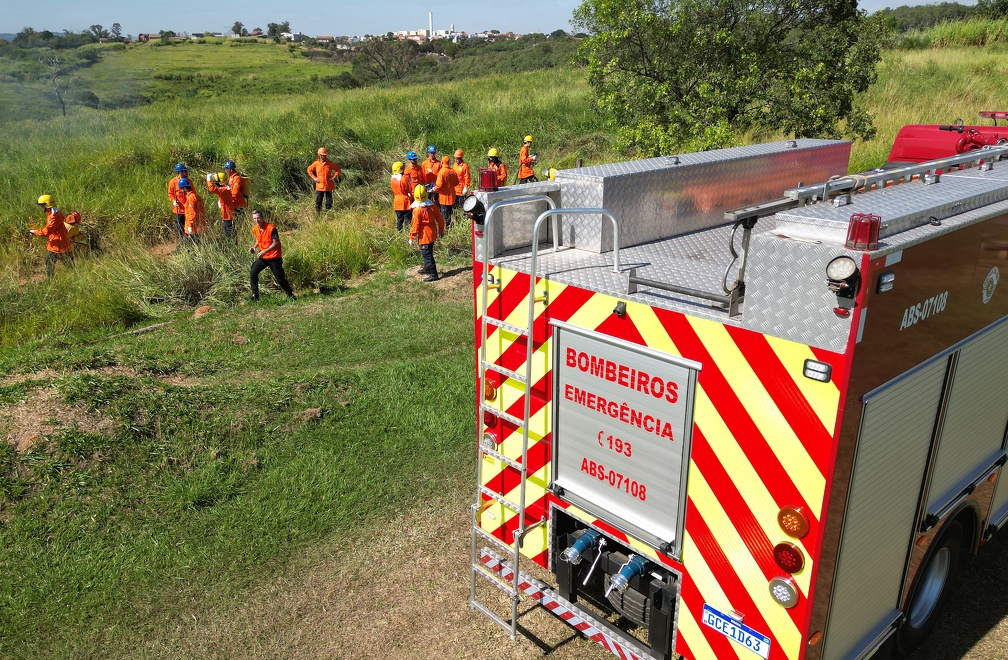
x=420 y=193
x=528 y=138
x=220 y=178
x=46 y=201
x=492 y=153
x=397 y=167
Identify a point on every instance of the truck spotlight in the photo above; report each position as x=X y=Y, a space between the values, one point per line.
x=784 y=591
x=793 y=521
x=635 y=566
x=788 y=557
x=473 y=209
x=842 y=276
x=844 y=279
x=585 y=541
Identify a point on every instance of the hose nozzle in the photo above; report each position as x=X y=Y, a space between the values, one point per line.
x=635 y=566
x=574 y=552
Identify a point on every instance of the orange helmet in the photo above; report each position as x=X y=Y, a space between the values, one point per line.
x=446 y=161
x=459 y=153
x=322 y=151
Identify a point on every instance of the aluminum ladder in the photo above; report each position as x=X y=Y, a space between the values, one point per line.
x=487 y=449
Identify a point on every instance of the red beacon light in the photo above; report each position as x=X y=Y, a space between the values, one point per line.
x=863 y=231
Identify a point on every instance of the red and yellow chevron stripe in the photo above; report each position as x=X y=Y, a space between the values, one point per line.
x=762 y=440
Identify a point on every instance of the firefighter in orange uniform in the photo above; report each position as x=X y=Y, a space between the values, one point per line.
x=323 y=172
x=400 y=200
x=177 y=199
x=428 y=226
x=413 y=175
x=445 y=185
x=464 y=178
x=431 y=167
x=225 y=200
x=195 y=212
x=494 y=163
x=268 y=254
x=58 y=245
x=237 y=184
x=526 y=162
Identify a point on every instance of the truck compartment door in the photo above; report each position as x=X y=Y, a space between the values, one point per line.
x=897 y=428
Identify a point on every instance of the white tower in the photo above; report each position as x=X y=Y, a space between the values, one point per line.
x=430 y=20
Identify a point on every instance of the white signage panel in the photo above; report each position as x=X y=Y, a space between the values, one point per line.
x=623 y=420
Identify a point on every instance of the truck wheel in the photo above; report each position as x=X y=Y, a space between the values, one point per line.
x=931 y=588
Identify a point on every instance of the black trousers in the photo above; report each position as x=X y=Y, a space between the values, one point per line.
x=528 y=179
x=446 y=213
x=276 y=267
x=180 y=223
x=319 y=194
x=427 y=252
x=403 y=218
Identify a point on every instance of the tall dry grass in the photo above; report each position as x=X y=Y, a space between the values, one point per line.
x=113 y=167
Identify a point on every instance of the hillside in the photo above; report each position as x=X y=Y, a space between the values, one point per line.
x=284 y=479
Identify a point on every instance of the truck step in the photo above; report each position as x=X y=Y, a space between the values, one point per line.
x=513 y=375
x=517 y=421
x=504 y=325
x=494 y=578
x=500 y=499
x=493 y=539
x=503 y=459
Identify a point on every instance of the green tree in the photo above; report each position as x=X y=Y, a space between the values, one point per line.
x=385 y=61
x=677 y=75
x=238 y=28
x=116 y=31
x=274 y=30
x=98 y=32
x=993 y=8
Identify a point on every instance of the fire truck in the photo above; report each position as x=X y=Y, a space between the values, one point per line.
x=739 y=403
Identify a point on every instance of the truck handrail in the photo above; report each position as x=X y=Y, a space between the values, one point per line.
x=511 y=202
x=851 y=183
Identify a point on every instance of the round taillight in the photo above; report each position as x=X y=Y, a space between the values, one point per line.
x=490 y=439
x=815 y=638
x=489 y=391
x=489 y=419
x=789 y=557
x=784 y=591
x=793 y=521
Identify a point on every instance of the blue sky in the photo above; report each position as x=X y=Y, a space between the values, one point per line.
x=338 y=17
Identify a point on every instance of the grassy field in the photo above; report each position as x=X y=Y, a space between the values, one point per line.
x=226 y=486
x=221 y=69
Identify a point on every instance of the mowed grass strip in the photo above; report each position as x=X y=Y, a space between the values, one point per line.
x=226 y=445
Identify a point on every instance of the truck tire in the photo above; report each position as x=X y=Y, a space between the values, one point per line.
x=931 y=588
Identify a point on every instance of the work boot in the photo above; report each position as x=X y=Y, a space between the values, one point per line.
x=253 y=298
x=432 y=277
x=422 y=271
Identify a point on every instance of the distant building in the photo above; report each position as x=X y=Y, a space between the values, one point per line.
x=144 y=37
x=324 y=39
x=291 y=36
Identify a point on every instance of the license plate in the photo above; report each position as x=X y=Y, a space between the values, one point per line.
x=742 y=635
